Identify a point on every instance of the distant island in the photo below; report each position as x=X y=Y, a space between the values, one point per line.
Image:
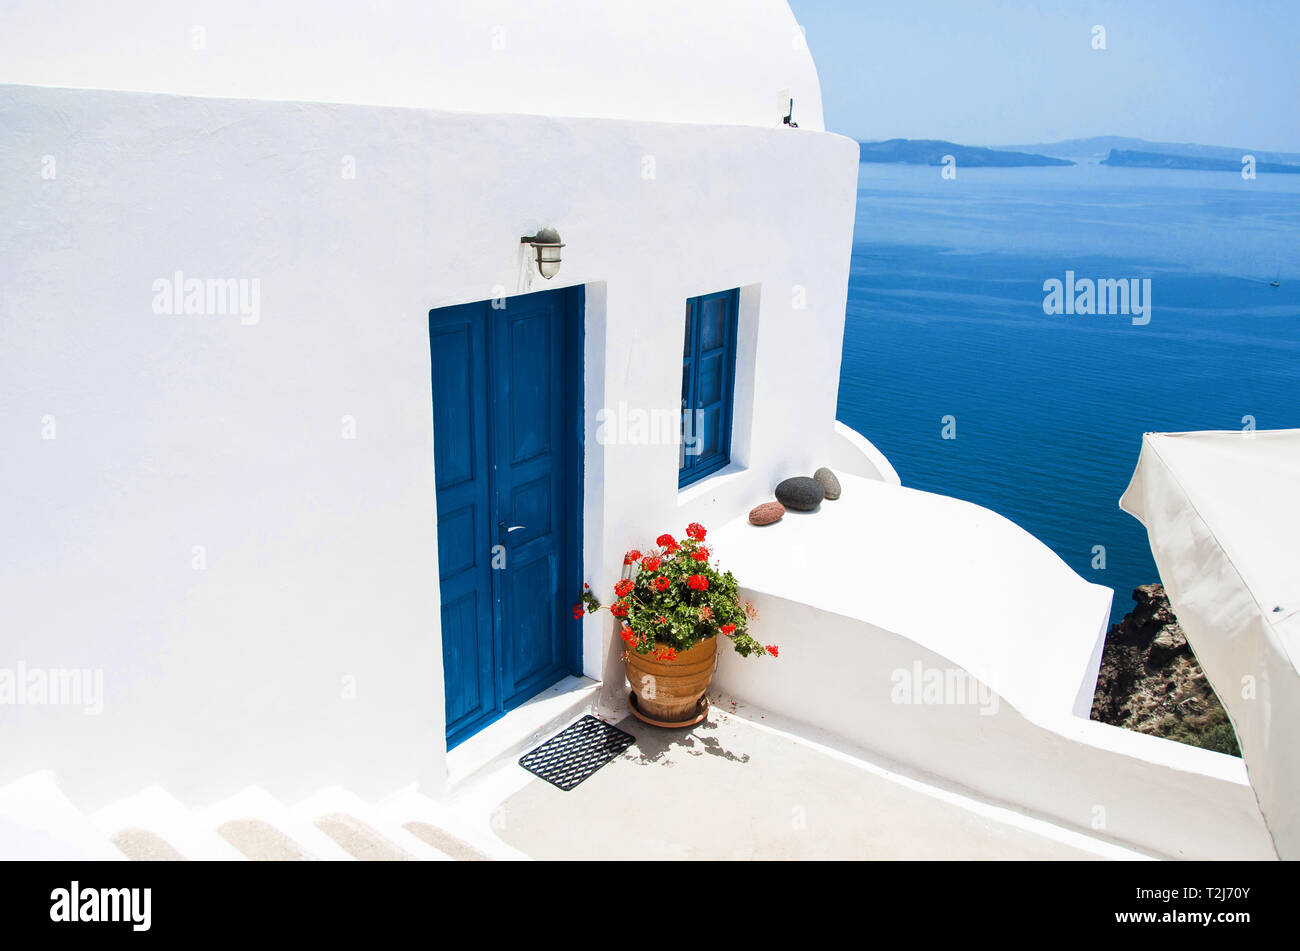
x=1099 y=147
x=932 y=152
x=1117 y=151
x=1128 y=159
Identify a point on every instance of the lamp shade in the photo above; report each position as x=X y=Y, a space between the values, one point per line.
x=547 y=245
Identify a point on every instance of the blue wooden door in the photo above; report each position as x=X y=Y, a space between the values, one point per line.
x=507 y=435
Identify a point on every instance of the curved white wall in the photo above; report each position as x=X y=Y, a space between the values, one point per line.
x=946 y=638
x=954 y=577
x=721 y=61
x=852 y=452
x=837 y=674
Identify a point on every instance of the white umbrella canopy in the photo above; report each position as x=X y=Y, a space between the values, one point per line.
x=1222 y=513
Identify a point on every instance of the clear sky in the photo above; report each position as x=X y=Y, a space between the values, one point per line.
x=1001 y=72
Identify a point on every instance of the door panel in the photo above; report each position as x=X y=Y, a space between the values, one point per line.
x=529 y=377
x=527 y=381
x=458 y=350
x=533 y=654
x=462 y=639
x=506 y=445
x=458 y=373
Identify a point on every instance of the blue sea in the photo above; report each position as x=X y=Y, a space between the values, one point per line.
x=945 y=318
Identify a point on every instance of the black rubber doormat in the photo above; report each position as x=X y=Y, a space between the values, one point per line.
x=576 y=752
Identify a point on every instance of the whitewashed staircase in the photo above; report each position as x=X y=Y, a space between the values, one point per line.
x=37 y=821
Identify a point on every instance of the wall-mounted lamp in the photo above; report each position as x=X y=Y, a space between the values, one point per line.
x=547 y=243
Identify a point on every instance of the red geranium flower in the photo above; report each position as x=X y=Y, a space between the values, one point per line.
x=624 y=588
x=706 y=612
x=666 y=541
x=700 y=554
x=650 y=564
x=728 y=629
x=631 y=557
x=698 y=582
x=578 y=612
x=628 y=635
x=661 y=584
x=661 y=620
x=696 y=531
x=773 y=650
x=618 y=609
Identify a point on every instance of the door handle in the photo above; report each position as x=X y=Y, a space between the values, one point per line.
x=504 y=530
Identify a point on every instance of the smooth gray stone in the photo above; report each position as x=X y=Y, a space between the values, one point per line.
x=800 y=493
x=829 y=482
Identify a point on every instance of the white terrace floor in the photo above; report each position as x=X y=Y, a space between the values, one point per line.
x=735 y=787
x=738 y=786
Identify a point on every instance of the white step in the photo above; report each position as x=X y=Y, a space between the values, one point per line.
x=145 y=845
x=154 y=812
x=250 y=819
x=37 y=821
x=362 y=829
x=462 y=838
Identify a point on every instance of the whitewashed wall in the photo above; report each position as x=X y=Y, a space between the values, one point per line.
x=181 y=431
x=840 y=676
x=720 y=61
x=944 y=639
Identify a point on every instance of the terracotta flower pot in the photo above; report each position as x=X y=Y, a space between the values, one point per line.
x=668 y=692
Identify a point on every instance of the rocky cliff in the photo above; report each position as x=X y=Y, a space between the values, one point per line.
x=1151 y=682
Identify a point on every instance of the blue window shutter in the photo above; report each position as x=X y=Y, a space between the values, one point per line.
x=708 y=384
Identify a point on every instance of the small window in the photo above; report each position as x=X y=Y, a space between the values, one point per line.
x=708 y=384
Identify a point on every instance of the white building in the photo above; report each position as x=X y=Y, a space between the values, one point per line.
x=266 y=310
